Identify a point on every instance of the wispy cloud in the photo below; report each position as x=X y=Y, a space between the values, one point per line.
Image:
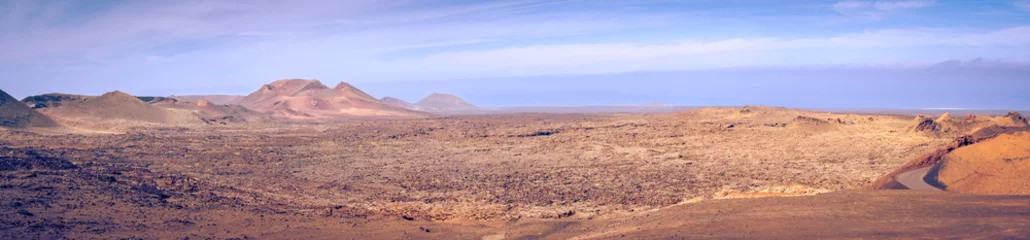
x=1024 y=5
x=249 y=42
x=695 y=54
x=878 y=9
x=138 y=28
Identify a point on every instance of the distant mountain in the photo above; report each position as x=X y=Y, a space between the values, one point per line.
x=656 y=104
x=216 y=99
x=398 y=103
x=310 y=99
x=441 y=102
x=15 y=114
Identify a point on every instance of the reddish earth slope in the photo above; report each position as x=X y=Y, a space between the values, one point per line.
x=310 y=99
x=933 y=158
x=1000 y=165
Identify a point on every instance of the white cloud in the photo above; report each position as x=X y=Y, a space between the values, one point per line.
x=878 y=9
x=1024 y=5
x=246 y=40
x=137 y=29
x=872 y=47
x=901 y=5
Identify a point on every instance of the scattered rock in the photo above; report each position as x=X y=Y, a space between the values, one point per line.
x=925 y=124
x=26 y=213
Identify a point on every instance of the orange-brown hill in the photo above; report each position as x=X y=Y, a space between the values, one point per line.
x=934 y=158
x=15 y=114
x=1000 y=165
x=310 y=99
x=118 y=106
x=441 y=102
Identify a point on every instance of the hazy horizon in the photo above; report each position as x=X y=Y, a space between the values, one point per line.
x=911 y=54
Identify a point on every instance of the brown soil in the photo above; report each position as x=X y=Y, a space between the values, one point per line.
x=556 y=176
x=513 y=166
x=805 y=123
x=999 y=165
x=15 y=114
x=842 y=215
x=120 y=204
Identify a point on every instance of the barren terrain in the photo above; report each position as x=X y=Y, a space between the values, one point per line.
x=542 y=175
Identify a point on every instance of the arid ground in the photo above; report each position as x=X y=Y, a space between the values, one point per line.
x=489 y=177
x=297 y=159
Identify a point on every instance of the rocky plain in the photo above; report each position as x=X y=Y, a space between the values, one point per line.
x=197 y=169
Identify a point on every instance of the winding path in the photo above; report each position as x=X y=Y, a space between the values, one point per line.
x=914 y=180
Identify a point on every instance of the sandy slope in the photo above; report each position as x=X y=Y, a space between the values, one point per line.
x=996 y=166
x=117 y=110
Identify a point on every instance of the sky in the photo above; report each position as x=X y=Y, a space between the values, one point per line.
x=815 y=54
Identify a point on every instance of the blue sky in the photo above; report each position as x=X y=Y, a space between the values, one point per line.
x=890 y=54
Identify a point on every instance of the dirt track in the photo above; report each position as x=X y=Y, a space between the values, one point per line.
x=914 y=180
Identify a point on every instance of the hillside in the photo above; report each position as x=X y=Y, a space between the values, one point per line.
x=53 y=100
x=15 y=114
x=947 y=126
x=211 y=113
x=119 y=107
x=311 y=100
x=398 y=103
x=999 y=165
